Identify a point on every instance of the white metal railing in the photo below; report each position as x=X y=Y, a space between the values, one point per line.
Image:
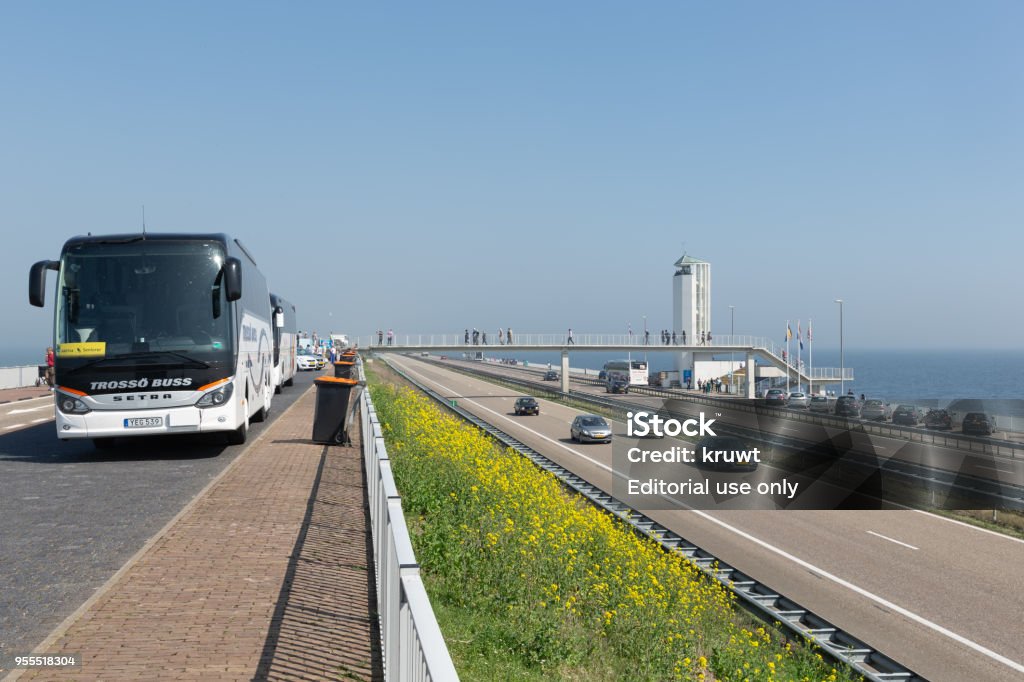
x=411 y=641
x=635 y=340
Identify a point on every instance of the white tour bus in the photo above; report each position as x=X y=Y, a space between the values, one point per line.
x=158 y=334
x=633 y=371
x=285 y=342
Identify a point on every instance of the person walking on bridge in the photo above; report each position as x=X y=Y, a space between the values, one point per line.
x=501 y=336
x=508 y=335
x=569 y=341
x=391 y=337
x=684 y=337
x=467 y=336
x=380 y=337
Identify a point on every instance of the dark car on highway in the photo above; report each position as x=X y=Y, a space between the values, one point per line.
x=847 y=406
x=551 y=375
x=978 y=423
x=906 y=415
x=938 y=419
x=527 y=405
x=616 y=385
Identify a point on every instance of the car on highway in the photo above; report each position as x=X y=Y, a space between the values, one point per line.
x=590 y=428
x=775 y=397
x=938 y=419
x=875 y=410
x=820 y=403
x=305 y=360
x=798 y=399
x=602 y=375
x=847 y=406
x=616 y=385
x=551 y=375
x=733 y=453
x=978 y=423
x=527 y=405
x=906 y=415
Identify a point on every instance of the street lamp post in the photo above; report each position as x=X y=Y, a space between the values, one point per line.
x=732 y=342
x=842 y=358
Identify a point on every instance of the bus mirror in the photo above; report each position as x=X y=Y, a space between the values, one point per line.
x=233 y=279
x=279 y=318
x=37 y=281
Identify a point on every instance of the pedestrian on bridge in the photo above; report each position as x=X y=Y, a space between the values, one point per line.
x=467 y=336
x=684 y=337
x=501 y=336
x=380 y=337
x=647 y=338
x=570 y=341
x=673 y=338
x=508 y=336
x=484 y=335
x=391 y=337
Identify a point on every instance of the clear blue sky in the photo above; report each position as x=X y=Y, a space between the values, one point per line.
x=433 y=166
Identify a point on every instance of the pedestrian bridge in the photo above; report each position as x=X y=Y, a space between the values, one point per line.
x=752 y=349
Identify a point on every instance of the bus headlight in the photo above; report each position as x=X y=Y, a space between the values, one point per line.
x=216 y=398
x=69 y=404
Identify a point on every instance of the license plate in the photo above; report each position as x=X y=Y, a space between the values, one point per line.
x=143 y=422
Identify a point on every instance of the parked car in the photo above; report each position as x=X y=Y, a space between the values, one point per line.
x=847 y=406
x=820 y=403
x=616 y=385
x=906 y=415
x=775 y=397
x=551 y=375
x=305 y=360
x=876 y=410
x=938 y=419
x=978 y=423
x=798 y=399
x=590 y=428
x=527 y=405
x=736 y=448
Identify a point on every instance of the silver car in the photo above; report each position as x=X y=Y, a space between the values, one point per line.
x=820 y=403
x=876 y=410
x=590 y=428
x=798 y=399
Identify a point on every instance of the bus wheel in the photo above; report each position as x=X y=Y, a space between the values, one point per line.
x=103 y=443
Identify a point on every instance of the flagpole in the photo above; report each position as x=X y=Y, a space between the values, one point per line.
x=788 y=356
x=810 y=355
x=799 y=353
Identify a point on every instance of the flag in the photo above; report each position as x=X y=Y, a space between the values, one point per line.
x=799 y=335
x=789 y=332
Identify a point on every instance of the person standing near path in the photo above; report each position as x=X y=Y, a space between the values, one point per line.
x=501 y=336
x=380 y=337
x=391 y=337
x=570 y=341
x=50 y=362
x=508 y=336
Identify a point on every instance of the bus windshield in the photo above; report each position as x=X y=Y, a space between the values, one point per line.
x=143 y=296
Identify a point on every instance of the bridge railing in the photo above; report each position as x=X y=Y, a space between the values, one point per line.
x=411 y=641
x=561 y=339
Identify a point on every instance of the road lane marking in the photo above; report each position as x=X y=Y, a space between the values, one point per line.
x=41 y=419
x=800 y=562
x=982 y=466
x=885 y=537
x=31 y=409
x=970 y=525
x=14 y=426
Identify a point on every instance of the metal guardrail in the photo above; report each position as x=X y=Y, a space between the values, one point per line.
x=762 y=601
x=411 y=641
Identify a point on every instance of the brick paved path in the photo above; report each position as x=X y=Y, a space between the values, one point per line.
x=267 y=575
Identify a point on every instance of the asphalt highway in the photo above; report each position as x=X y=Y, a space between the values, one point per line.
x=941 y=597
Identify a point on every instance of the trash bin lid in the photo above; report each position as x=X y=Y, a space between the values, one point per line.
x=342 y=362
x=336 y=381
